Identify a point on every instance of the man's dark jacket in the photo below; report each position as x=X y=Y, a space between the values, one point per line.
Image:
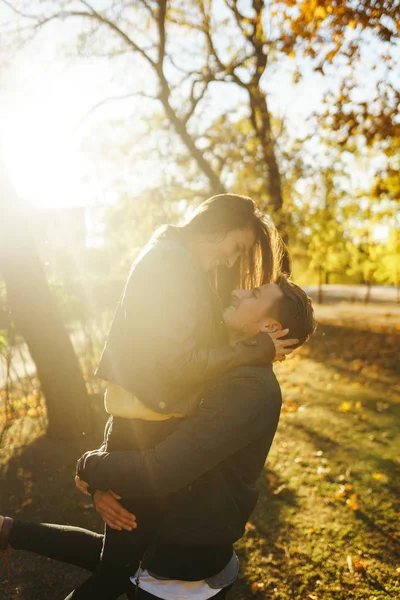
x=193 y=491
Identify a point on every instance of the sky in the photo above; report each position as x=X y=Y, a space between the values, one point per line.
x=44 y=95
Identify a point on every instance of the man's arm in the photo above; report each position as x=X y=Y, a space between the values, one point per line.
x=231 y=416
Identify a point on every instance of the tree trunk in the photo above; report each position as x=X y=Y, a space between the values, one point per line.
x=368 y=291
x=261 y=122
x=37 y=318
x=320 y=290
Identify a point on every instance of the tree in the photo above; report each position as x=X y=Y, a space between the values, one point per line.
x=37 y=319
x=200 y=52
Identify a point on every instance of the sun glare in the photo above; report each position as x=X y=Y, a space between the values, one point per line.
x=43 y=155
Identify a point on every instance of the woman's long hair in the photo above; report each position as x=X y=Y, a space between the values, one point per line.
x=225 y=212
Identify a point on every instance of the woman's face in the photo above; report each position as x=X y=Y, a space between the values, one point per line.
x=227 y=250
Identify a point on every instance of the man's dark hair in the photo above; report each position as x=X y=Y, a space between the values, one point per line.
x=294 y=311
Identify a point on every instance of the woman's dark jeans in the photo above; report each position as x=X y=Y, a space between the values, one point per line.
x=79 y=547
x=82 y=548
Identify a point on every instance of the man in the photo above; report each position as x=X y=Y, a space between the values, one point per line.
x=193 y=492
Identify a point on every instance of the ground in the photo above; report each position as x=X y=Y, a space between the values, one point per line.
x=327 y=522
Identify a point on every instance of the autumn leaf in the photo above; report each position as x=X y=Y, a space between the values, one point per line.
x=341 y=493
x=257 y=586
x=346 y=406
x=356 y=565
x=272 y=480
x=352 y=502
x=320 y=12
x=381 y=477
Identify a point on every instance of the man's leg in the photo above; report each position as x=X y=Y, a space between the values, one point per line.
x=72 y=545
x=105 y=584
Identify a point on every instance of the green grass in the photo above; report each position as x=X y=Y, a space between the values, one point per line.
x=327 y=523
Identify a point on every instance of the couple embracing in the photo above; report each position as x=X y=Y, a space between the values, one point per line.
x=194 y=405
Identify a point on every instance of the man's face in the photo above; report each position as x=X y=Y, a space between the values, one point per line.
x=248 y=311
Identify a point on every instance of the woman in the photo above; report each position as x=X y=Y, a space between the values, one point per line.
x=166 y=341
x=167 y=338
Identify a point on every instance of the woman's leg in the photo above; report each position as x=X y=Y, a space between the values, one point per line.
x=72 y=545
x=75 y=546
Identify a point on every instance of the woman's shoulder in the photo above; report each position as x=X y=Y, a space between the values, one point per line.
x=166 y=247
x=165 y=257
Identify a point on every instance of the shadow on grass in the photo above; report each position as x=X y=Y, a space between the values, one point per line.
x=267 y=536
x=343 y=347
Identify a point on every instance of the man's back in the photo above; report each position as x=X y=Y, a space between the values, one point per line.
x=213 y=509
x=220 y=502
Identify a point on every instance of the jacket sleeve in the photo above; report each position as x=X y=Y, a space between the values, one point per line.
x=228 y=419
x=157 y=355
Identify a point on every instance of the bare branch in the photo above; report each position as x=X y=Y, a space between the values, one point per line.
x=90 y=14
x=148 y=8
x=238 y=16
x=18 y=12
x=108 y=101
x=194 y=101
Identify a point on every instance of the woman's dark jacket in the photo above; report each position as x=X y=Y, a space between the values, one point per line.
x=167 y=338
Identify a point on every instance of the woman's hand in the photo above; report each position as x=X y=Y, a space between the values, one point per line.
x=82 y=486
x=282 y=348
x=111 y=511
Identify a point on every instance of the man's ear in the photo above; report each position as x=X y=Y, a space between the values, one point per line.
x=271 y=326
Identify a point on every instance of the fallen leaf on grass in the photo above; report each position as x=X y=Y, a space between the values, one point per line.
x=346 y=407
x=257 y=586
x=281 y=490
x=381 y=477
x=323 y=471
x=341 y=493
x=356 y=565
x=272 y=479
x=352 y=502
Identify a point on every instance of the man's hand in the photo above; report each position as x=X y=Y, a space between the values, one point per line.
x=111 y=511
x=82 y=486
x=282 y=348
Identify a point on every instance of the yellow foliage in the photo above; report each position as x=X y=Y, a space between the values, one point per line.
x=320 y=12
